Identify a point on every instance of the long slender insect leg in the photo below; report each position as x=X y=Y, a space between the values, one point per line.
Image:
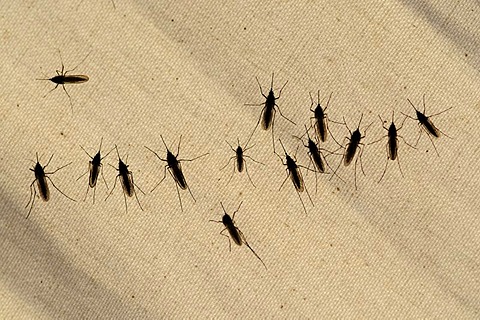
x=178 y=147
x=436 y=114
x=227 y=163
x=273 y=127
x=178 y=192
x=135 y=192
x=245 y=156
x=359 y=156
x=408 y=144
x=86 y=193
x=77 y=64
x=231 y=176
x=231 y=147
x=419 y=134
x=446 y=135
x=50 y=91
x=256 y=126
x=303 y=205
x=229 y=242
x=156 y=154
x=248 y=175
x=399 y=167
x=279 y=111
x=339 y=164
x=373 y=142
x=32 y=198
x=260 y=86
x=288 y=175
x=355 y=172
x=361 y=162
x=47 y=162
x=386 y=164
x=341 y=160
x=164 y=175
x=125 y=200
x=188 y=187
x=104 y=181
x=235 y=212
x=82 y=175
x=203 y=155
x=256 y=255
x=308 y=194
x=86 y=152
x=114 y=184
x=53 y=184
x=281 y=89
x=58 y=168
x=316 y=180
x=69 y=97
x=94 y=193
x=251 y=249
x=433 y=144
x=138 y=187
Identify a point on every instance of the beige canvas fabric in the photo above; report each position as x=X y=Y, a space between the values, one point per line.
x=407 y=247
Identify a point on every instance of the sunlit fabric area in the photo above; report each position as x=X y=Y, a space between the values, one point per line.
x=239 y=159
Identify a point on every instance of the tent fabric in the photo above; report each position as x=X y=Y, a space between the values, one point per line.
x=404 y=247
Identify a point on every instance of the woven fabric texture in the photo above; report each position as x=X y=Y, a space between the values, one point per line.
x=404 y=247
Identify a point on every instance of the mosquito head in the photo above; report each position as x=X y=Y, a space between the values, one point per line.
x=239 y=147
x=239 y=151
x=226 y=219
x=97 y=159
x=38 y=167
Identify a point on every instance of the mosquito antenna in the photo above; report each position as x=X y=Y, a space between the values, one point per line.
x=164 y=142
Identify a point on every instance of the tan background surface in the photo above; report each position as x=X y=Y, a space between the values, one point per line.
x=404 y=248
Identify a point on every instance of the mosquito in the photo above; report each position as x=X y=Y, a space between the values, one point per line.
x=293 y=171
x=392 y=142
x=270 y=107
x=94 y=167
x=240 y=162
x=61 y=79
x=315 y=154
x=320 y=118
x=175 y=169
x=127 y=182
x=235 y=233
x=426 y=124
x=351 y=148
x=41 y=179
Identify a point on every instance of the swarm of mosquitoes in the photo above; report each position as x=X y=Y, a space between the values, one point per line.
x=350 y=150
